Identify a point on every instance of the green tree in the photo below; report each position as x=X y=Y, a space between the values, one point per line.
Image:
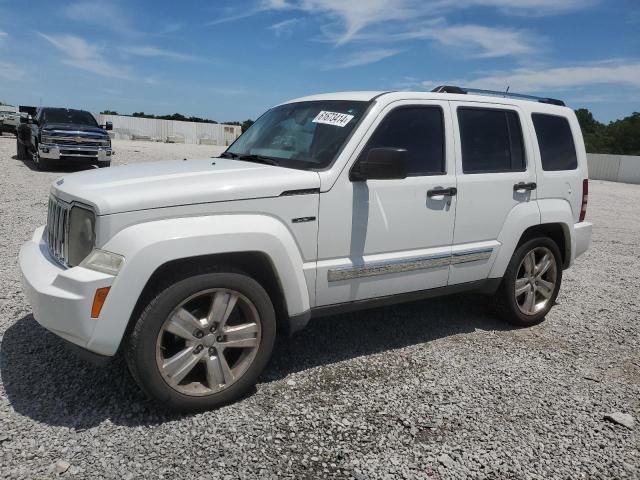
x=621 y=137
x=246 y=124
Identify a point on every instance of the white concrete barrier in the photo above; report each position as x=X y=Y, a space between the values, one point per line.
x=615 y=168
x=126 y=128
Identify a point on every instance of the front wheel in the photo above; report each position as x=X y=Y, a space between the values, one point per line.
x=203 y=341
x=531 y=282
x=38 y=162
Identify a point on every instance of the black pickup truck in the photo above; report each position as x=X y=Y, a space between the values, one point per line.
x=63 y=134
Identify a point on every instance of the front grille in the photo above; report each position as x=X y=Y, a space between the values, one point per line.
x=81 y=143
x=57 y=223
x=80 y=139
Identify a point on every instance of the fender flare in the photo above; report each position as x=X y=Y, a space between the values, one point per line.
x=556 y=210
x=148 y=246
x=521 y=217
x=524 y=216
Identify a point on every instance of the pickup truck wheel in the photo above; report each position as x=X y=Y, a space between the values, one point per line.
x=203 y=341
x=37 y=160
x=531 y=282
x=21 y=151
x=104 y=164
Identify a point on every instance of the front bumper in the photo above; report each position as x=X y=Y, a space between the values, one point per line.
x=81 y=152
x=61 y=298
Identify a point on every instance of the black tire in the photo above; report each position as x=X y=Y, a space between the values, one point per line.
x=20 y=150
x=38 y=162
x=140 y=350
x=104 y=164
x=507 y=303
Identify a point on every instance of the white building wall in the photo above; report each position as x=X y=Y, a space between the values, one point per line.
x=130 y=128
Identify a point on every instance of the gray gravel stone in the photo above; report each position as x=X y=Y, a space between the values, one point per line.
x=61 y=466
x=378 y=394
x=623 y=419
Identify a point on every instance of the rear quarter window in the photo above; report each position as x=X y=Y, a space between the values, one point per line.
x=555 y=139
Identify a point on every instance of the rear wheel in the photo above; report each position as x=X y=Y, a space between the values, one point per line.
x=203 y=341
x=531 y=282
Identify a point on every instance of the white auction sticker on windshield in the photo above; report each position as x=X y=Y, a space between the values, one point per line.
x=333 y=118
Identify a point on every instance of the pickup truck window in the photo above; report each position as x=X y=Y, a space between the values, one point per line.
x=557 y=150
x=420 y=131
x=300 y=135
x=63 y=115
x=491 y=140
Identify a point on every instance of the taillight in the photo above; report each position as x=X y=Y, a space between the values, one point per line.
x=585 y=199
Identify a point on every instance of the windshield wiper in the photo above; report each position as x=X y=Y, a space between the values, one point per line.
x=258 y=159
x=228 y=155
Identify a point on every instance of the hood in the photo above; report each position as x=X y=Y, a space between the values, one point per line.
x=178 y=182
x=72 y=127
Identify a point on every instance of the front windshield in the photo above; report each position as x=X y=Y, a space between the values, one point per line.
x=63 y=115
x=300 y=135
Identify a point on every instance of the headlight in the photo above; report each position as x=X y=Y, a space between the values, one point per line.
x=82 y=234
x=103 y=261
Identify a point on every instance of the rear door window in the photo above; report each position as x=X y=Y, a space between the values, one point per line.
x=557 y=149
x=491 y=140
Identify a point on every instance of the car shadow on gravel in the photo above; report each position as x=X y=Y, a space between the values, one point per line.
x=342 y=337
x=44 y=380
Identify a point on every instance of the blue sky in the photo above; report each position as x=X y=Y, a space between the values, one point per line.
x=230 y=60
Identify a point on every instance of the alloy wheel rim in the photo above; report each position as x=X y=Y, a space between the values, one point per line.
x=208 y=342
x=535 y=280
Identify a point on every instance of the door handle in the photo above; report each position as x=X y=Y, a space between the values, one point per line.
x=438 y=191
x=525 y=186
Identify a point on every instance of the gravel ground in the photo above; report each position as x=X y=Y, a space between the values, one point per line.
x=435 y=389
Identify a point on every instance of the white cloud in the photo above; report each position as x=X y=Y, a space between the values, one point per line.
x=364 y=58
x=617 y=72
x=479 y=40
x=354 y=16
x=172 y=28
x=100 y=13
x=614 y=72
x=150 y=51
x=285 y=27
x=83 y=55
x=11 y=71
x=3 y=34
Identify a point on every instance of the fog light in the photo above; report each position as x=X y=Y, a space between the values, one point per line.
x=108 y=153
x=98 y=301
x=45 y=149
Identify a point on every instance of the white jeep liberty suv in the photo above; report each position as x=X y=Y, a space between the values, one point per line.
x=327 y=203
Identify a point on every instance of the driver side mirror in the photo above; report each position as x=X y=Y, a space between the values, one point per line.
x=381 y=164
x=108 y=126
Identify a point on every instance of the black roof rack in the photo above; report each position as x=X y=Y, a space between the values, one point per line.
x=495 y=93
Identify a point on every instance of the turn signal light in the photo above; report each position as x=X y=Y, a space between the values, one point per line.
x=98 y=301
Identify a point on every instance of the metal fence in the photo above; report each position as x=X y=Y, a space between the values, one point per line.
x=136 y=128
x=615 y=168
